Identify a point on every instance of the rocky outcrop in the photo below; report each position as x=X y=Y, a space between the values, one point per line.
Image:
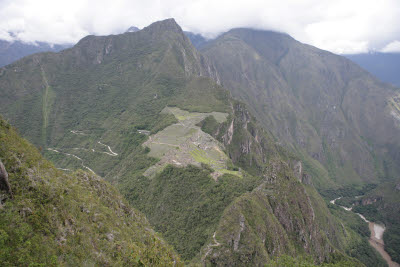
x=274 y=219
x=299 y=173
x=246 y=142
x=313 y=101
x=4 y=184
x=370 y=200
x=306 y=179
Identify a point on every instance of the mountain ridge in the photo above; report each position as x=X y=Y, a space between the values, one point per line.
x=109 y=92
x=14 y=50
x=382 y=65
x=292 y=67
x=53 y=218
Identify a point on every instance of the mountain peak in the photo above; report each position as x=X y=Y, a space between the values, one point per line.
x=165 y=25
x=249 y=33
x=133 y=29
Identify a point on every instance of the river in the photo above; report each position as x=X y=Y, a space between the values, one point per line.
x=376 y=238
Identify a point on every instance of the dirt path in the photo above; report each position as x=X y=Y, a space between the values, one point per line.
x=109 y=149
x=209 y=247
x=77 y=132
x=72 y=155
x=110 y=153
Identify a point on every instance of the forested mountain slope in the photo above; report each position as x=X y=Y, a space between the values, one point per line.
x=146 y=111
x=52 y=218
x=341 y=120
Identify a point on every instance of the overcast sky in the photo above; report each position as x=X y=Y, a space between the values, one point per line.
x=340 y=26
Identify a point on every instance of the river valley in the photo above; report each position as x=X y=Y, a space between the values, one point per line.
x=376 y=237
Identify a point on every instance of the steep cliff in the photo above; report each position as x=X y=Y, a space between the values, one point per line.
x=145 y=110
x=48 y=217
x=339 y=119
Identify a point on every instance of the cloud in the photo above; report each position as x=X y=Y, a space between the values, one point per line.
x=393 y=47
x=340 y=26
x=4 y=35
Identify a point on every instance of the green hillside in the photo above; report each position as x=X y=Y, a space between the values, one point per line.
x=326 y=109
x=147 y=112
x=51 y=218
x=382 y=205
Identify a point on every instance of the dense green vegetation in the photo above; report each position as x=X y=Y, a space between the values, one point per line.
x=370 y=212
x=288 y=261
x=348 y=192
x=107 y=94
x=346 y=201
x=185 y=204
x=358 y=234
x=382 y=205
x=260 y=226
x=73 y=219
x=391 y=238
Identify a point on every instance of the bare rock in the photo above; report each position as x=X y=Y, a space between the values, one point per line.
x=110 y=236
x=306 y=179
x=370 y=200
x=298 y=170
x=4 y=184
x=237 y=238
x=25 y=212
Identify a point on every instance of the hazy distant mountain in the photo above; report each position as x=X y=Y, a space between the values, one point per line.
x=197 y=39
x=385 y=66
x=12 y=51
x=132 y=29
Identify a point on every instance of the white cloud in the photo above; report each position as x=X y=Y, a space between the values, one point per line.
x=340 y=26
x=393 y=47
x=4 y=35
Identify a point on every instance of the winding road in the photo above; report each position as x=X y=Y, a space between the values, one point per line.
x=109 y=149
x=110 y=153
x=209 y=247
x=71 y=155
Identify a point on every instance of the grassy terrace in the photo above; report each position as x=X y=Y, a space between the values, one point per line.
x=184 y=143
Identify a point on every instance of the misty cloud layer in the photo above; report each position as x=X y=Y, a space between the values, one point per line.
x=340 y=26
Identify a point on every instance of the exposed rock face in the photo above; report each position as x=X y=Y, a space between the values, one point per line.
x=4 y=184
x=370 y=200
x=303 y=177
x=298 y=170
x=312 y=101
x=247 y=143
x=272 y=220
x=398 y=187
x=306 y=179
